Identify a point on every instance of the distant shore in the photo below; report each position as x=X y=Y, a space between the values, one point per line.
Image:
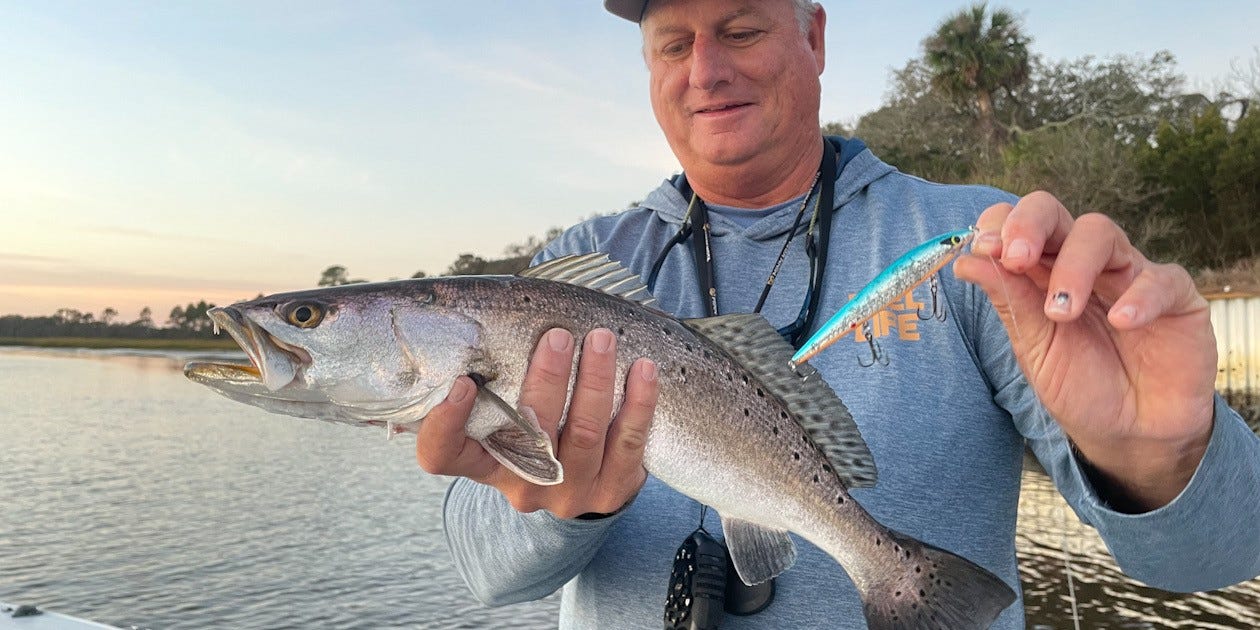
x=101 y=343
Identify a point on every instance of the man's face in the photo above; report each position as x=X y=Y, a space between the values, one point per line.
x=731 y=80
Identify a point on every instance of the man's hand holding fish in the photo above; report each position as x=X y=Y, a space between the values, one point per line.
x=602 y=455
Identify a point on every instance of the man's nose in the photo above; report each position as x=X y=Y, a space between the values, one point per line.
x=710 y=64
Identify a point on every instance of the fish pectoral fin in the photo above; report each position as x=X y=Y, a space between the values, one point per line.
x=524 y=418
x=516 y=440
x=758 y=553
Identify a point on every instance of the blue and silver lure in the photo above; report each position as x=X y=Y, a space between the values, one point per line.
x=902 y=276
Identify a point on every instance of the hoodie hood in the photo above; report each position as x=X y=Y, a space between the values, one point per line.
x=857 y=166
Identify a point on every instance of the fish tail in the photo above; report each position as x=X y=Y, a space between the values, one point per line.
x=938 y=590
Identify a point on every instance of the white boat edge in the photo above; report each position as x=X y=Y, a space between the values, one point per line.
x=45 y=620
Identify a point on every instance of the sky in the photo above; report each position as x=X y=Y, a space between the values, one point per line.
x=160 y=153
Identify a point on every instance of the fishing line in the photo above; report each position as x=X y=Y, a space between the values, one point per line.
x=1067 y=562
x=1007 y=294
x=1045 y=421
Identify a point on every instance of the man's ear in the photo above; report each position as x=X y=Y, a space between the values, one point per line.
x=817 y=43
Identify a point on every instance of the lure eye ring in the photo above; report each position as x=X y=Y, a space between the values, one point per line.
x=304 y=314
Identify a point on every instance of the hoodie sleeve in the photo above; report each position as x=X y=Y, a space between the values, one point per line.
x=1204 y=539
x=507 y=557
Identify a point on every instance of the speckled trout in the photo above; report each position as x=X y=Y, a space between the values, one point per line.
x=773 y=450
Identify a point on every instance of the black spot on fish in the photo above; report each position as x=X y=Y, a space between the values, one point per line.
x=840 y=501
x=621 y=331
x=796 y=455
x=745 y=379
x=665 y=330
x=878 y=542
x=687 y=346
x=815 y=478
x=526 y=299
x=826 y=468
x=783 y=414
x=683 y=370
x=922 y=593
x=760 y=394
x=747 y=412
x=775 y=429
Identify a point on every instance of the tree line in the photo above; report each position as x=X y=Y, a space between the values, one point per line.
x=192 y=322
x=184 y=322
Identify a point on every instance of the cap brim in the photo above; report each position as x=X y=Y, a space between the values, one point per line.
x=629 y=9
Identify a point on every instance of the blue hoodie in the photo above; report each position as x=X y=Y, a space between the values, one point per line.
x=946 y=421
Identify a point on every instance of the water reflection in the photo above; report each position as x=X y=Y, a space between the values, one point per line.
x=137 y=498
x=1050 y=538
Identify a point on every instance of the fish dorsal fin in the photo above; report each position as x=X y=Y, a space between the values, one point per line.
x=593 y=271
x=758 y=553
x=752 y=341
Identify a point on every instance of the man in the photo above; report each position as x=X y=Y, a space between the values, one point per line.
x=1118 y=349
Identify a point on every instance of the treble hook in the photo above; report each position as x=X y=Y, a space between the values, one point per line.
x=938 y=306
x=877 y=352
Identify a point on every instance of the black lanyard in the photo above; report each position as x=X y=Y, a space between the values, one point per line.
x=816 y=248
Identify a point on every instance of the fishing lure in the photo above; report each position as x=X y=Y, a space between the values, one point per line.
x=902 y=276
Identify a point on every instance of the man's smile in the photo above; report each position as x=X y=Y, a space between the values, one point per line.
x=714 y=109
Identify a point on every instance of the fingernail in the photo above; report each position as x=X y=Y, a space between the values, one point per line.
x=989 y=241
x=558 y=339
x=1017 y=251
x=1060 y=303
x=1127 y=313
x=601 y=340
x=648 y=370
x=460 y=391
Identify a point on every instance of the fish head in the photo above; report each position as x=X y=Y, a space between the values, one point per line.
x=364 y=354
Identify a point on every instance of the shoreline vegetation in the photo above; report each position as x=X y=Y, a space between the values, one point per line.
x=122 y=343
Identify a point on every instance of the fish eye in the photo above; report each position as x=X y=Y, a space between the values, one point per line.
x=304 y=314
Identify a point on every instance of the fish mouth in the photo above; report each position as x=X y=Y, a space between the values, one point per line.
x=272 y=363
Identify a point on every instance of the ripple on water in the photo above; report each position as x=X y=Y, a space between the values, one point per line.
x=136 y=498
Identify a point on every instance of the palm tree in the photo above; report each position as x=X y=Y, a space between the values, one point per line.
x=975 y=53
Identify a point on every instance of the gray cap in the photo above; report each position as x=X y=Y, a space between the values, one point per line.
x=629 y=9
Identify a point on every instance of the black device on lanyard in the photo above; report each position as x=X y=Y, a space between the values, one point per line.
x=703 y=584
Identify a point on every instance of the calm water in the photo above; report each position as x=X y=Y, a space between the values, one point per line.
x=134 y=497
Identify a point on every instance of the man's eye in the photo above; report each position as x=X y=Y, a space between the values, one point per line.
x=740 y=37
x=674 y=49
